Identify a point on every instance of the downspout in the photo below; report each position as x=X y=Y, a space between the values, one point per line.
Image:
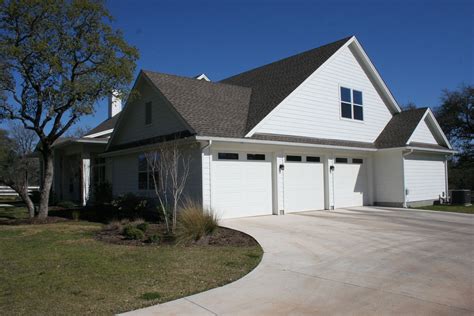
x=404 y=178
x=446 y=184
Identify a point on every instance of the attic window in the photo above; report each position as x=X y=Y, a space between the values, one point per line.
x=351 y=104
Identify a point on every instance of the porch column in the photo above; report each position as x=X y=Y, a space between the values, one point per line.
x=86 y=175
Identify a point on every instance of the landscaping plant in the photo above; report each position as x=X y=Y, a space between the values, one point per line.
x=195 y=223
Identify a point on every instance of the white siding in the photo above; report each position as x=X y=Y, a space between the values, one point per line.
x=313 y=109
x=425 y=177
x=132 y=126
x=125 y=176
x=388 y=177
x=206 y=178
x=422 y=134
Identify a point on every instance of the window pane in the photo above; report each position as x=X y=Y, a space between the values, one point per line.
x=358 y=113
x=228 y=156
x=141 y=163
x=346 y=110
x=293 y=158
x=313 y=159
x=151 y=183
x=255 y=157
x=148 y=113
x=341 y=160
x=142 y=180
x=357 y=160
x=345 y=94
x=357 y=97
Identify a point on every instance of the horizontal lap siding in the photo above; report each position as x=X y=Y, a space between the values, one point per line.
x=422 y=134
x=132 y=126
x=313 y=109
x=388 y=177
x=425 y=177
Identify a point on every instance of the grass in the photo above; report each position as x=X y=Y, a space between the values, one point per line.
x=60 y=268
x=449 y=208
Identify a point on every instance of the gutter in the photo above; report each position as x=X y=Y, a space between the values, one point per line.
x=279 y=143
x=449 y=151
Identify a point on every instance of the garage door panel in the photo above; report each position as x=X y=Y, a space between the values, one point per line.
x=303 y=186
x=350 y=185
x=241 y=187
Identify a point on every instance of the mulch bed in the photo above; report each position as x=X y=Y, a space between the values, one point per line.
x=34 y=221
x=222 y=237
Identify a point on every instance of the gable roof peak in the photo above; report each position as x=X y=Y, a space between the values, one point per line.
x=273 y=82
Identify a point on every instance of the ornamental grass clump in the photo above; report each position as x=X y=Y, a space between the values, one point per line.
x=194 y=223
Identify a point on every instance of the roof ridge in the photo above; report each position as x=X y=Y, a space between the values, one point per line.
x=191 y=79
x=289 y=57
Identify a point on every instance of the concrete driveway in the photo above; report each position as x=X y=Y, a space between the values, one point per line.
x=350 y=261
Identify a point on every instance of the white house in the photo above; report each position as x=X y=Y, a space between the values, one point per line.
x=318 y=130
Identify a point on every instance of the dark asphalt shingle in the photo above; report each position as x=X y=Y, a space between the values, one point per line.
x=399 y=129
x=315 y=141
x=104 y=125
x=211 y=109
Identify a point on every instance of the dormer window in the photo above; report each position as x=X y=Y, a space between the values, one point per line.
x=351 y=104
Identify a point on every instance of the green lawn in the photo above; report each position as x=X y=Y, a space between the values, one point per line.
x=60 y=269
x=449 y=208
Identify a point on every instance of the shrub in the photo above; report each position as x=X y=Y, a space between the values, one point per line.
x=66 y=204
x=130 y=205
x=143 y=226
x=102 y=193
x=76 y=215
x=155 y=238
x=193 y=222
x=131 y=232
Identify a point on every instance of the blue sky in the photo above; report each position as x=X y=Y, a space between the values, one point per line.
x=419 y=47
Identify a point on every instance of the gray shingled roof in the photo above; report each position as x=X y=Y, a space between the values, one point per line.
x=315 y=141
x=104 y=125
x=274 y=82
x=211 y=109
x=400 y=128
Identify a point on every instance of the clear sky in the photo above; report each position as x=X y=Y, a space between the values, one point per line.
x=419 y=47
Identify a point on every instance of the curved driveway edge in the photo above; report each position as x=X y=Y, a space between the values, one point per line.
x=349 y=261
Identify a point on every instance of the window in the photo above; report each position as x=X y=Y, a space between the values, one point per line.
x=357 y=160
x=228 y=156
x=255 y=157
x=98 y=171
x=293 y=158
x=312 y=159
x=145 y=174
x=351 y=104
x=341 y=160
x=148 y=113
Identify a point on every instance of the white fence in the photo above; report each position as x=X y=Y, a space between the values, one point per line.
x=7 y=191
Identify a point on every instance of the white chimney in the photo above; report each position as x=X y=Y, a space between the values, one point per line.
x=115 y=103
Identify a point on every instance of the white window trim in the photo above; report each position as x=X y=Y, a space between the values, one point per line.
x=352 y=119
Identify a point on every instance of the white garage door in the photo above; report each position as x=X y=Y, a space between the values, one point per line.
x=425 y=177
x=241 y=184
x=350 y=182
x=303 y=183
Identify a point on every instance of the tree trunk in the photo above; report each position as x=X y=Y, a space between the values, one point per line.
x=29 y=204
x=46 y=183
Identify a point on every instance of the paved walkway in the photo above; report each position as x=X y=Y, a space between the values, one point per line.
x=362 y=261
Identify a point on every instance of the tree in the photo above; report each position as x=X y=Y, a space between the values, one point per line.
x=455 y=116
x=409 y=106
x=169 y=167
x=17 y=168
x=57 y=59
